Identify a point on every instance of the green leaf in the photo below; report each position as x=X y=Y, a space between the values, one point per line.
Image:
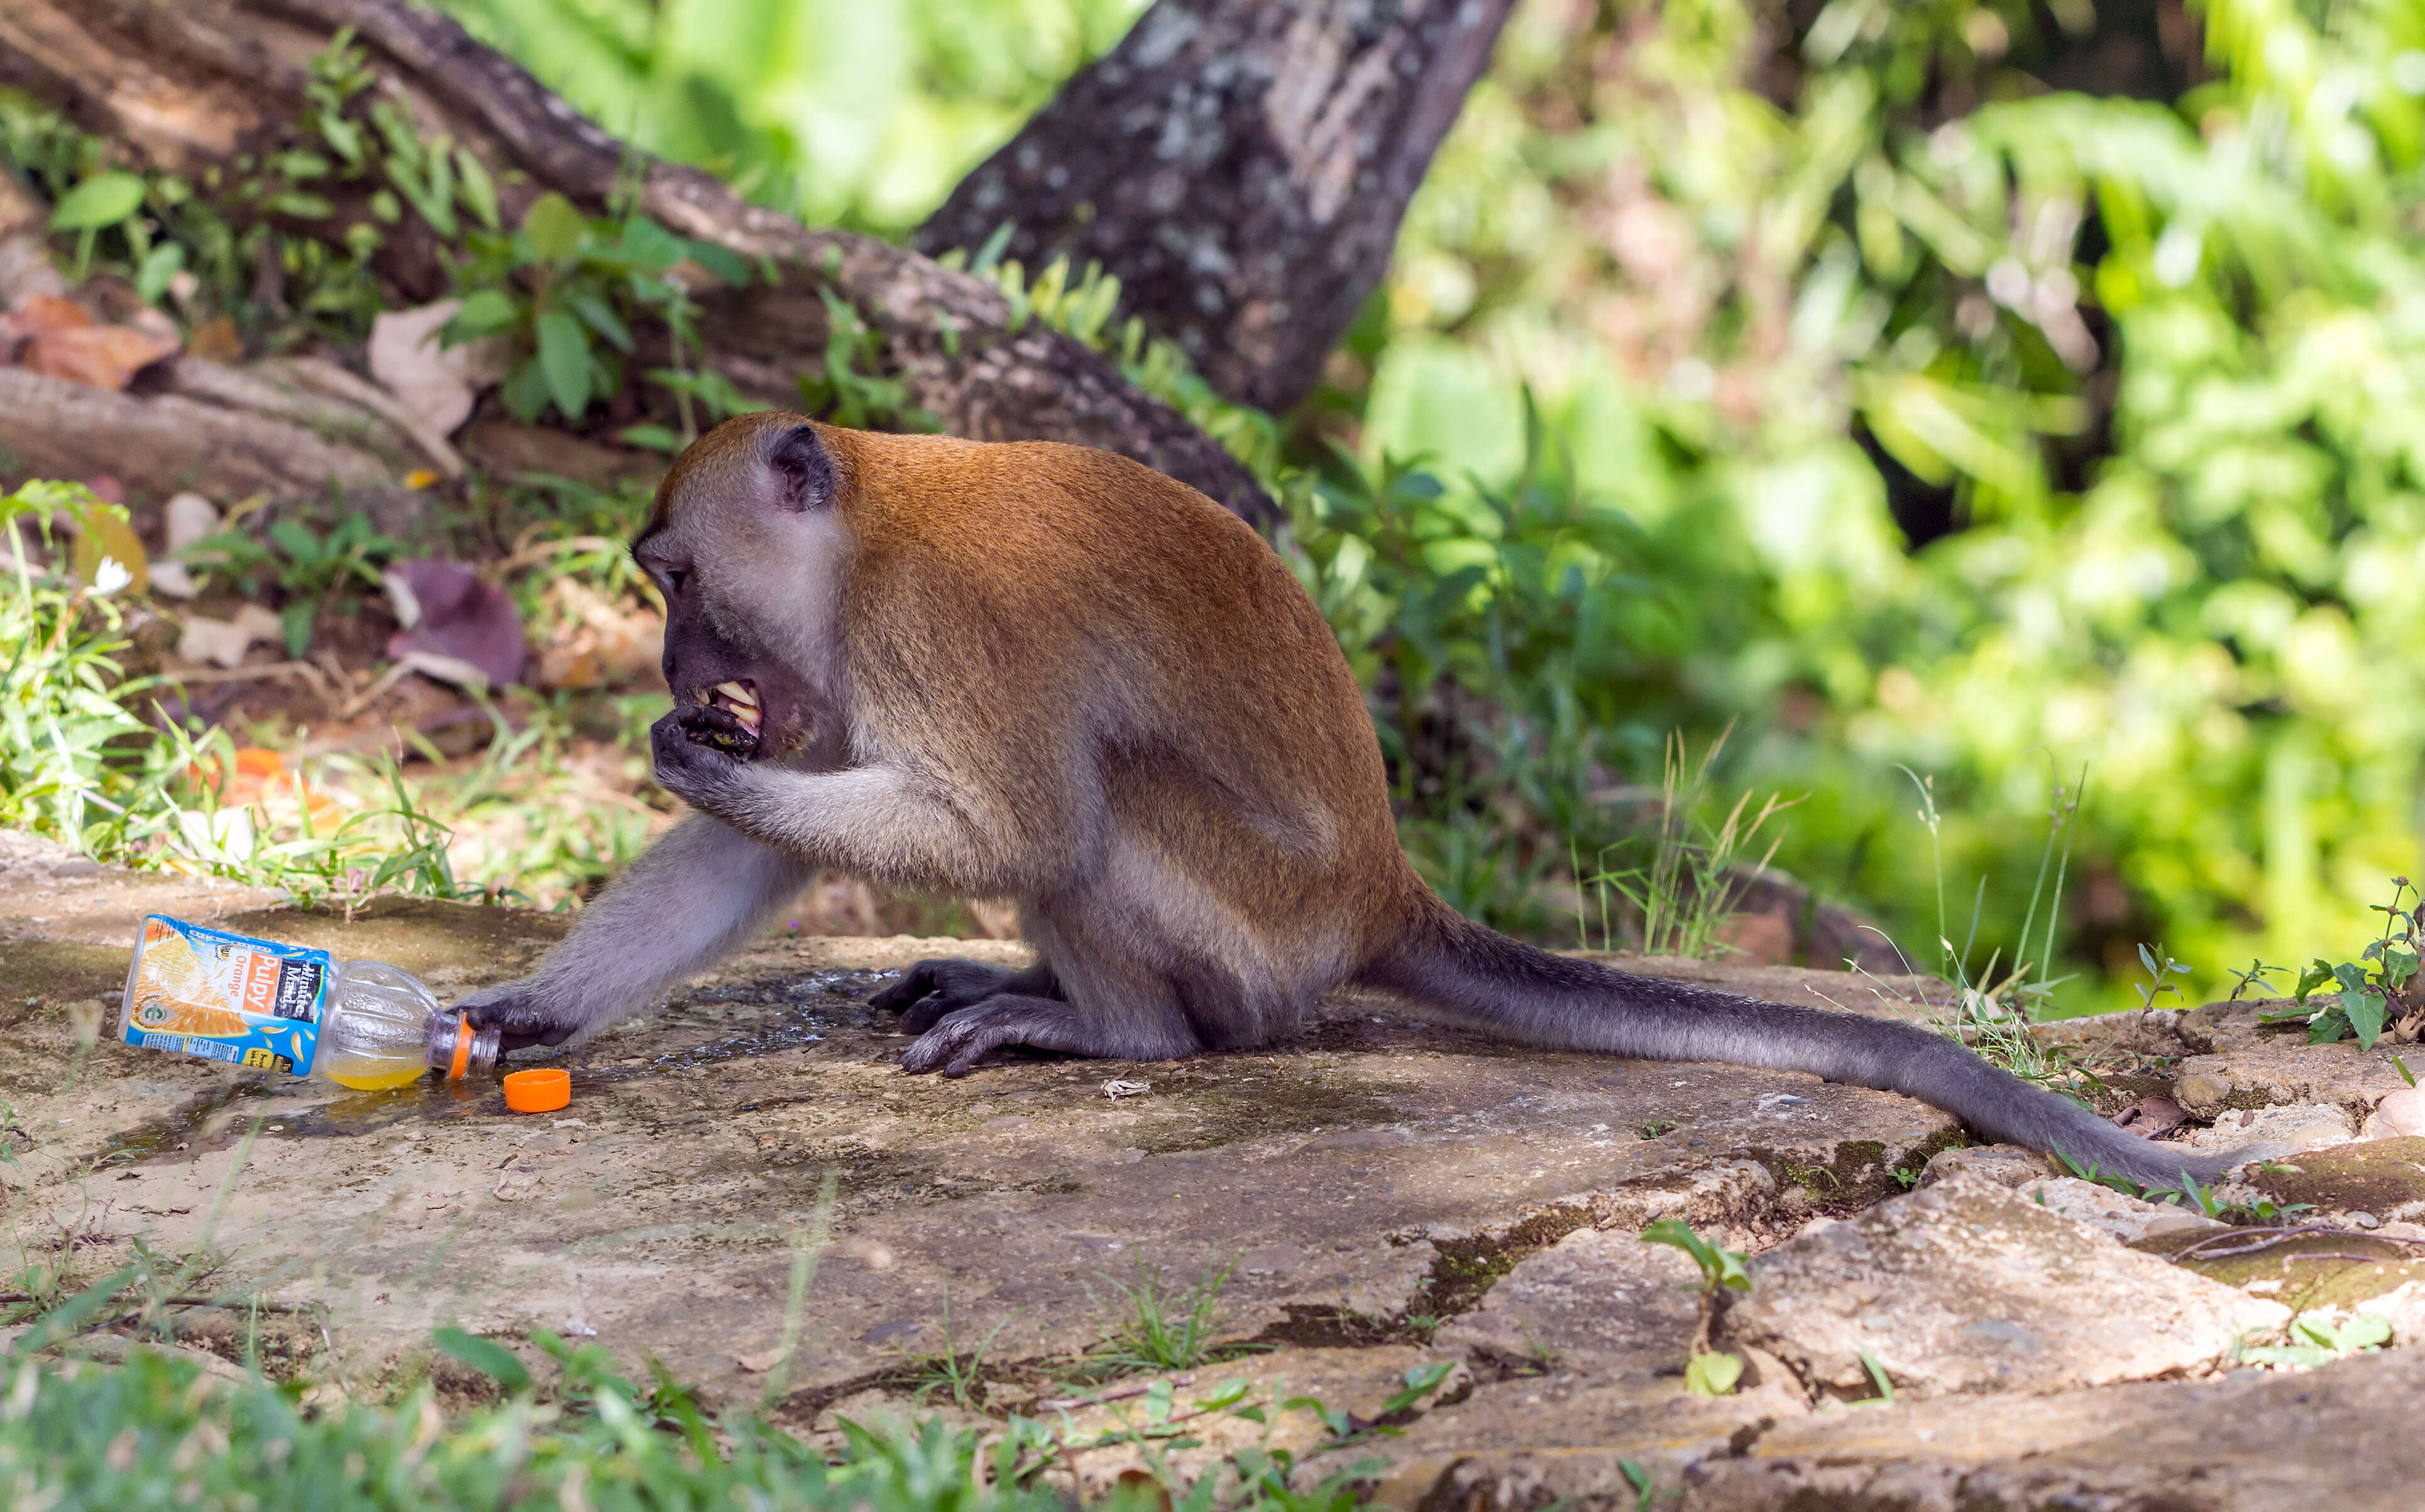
x=296 y=540
x=601 y=318
x=1419 y=1379
x=489 y=1357
x=650 y=245
x=2365 y=1011
x=563 y=357
x=2331 y=1027
x=1720 y=1267
x=302 y=206
x=728 y=266
x=295 y=624
x=100 y=201
x=163 y=262
x=1713 y=1375
x=2313 y=977
x=526 y=392
x=2364 y=1330
x=475 y=188
x=555 y=228
x=2399 y=965
x=484 y=312
x=650 y=438
x=1227 y=1392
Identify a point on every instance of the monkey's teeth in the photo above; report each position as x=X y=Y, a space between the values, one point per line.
x=738 y=694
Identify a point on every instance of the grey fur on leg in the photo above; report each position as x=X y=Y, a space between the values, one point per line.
x=694 y=897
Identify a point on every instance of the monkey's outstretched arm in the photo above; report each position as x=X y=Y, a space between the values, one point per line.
x=697 y=895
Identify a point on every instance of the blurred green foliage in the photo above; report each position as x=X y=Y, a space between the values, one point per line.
x=2005 y=389
x=2139 y=378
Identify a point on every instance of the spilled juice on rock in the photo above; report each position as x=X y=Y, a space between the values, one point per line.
x=361 y=1024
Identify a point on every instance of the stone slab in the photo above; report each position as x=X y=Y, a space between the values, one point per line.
x=1967 y=1287
x=1358 y=1175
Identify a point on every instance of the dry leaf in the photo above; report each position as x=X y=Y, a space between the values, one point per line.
x=759 y=1364
x=188 y=518
x=223 y=642
x=61 y=340
x=436 y=384
x=105 y=537
x=451 y=617
x=216 y=340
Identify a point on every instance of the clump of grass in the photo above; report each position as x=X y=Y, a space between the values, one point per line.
x=1683 y=896
x=1158 y=1328
x=155 y=1432
x=955 y=1372
x=75 y=765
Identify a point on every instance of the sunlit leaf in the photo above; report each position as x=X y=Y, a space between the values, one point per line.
x=102 y=201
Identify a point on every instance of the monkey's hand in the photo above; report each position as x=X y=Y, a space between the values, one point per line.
x=522 y=1013
x=701 y=754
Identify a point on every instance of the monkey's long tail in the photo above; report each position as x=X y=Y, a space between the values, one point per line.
x=1482 y=978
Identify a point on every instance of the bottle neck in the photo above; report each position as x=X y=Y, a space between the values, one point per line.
x=458 y=1048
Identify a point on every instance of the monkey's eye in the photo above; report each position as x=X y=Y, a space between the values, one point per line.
x=671 y=578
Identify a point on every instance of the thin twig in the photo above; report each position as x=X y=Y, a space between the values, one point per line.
x=1063 y=1404
x=246 y=674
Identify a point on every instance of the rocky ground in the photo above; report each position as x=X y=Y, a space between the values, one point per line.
x=1929 y=1324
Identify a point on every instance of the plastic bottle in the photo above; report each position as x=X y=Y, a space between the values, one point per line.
x=362 y=1024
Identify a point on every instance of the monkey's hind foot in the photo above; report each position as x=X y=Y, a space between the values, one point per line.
x=955 y=1045
x=932 y=989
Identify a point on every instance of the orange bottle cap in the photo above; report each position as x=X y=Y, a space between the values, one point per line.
x=463 y=1036
x=540 y=1091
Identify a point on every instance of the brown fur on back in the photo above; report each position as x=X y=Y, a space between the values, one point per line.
x=1087 y=614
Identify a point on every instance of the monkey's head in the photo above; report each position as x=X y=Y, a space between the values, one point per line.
x=745 y=546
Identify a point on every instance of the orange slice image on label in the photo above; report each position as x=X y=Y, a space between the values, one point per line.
x=167 y=1016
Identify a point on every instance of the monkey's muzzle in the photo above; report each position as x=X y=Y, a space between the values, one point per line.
x=739 y=734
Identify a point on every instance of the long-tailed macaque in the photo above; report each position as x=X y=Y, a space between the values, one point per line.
x=1047 y=673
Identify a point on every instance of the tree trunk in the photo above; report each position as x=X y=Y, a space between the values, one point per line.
x=1242 y=165
x=206 y=89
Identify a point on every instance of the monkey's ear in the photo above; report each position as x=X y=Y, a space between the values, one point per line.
x=804 y=474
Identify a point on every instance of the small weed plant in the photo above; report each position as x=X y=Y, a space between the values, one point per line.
x=2312 y=1340
x=311 y=570
x=2376 y=992
x=565 y=292
x=1707 y=1371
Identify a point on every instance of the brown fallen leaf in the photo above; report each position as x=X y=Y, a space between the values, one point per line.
x=58 y=338
x=216 y=340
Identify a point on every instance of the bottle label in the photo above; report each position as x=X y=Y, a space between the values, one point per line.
x=225 y=997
